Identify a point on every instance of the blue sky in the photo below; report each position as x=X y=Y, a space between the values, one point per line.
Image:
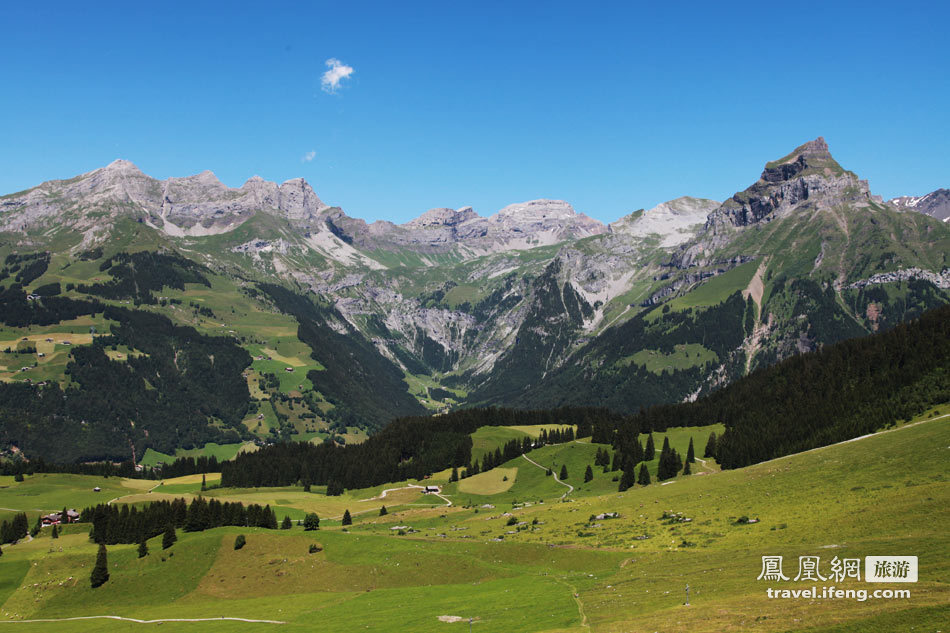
x=611 y=106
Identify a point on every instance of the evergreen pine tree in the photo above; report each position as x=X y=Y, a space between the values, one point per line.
x=637 y=452
x=615 y=464
x=270 y=518
x=100 y=572
x=455 y=474
x=287 y=523
x=54 y=533
x=626 y=480
x=644 y=477
x=347 y=519
x=64 y=516
x=143 y=549
x=690 y=454
x=711 y=446
x=240 y=541
x=383 y=511
x=686 y=468
x=563 y=474
x=650 y=451
x=169 y=538
x=311 y=522
x=664 y=468
x=588 y=474
x=548 y=472
x=204 y=483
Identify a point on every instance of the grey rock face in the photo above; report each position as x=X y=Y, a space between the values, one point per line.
x=940 y=280
x=442 y=217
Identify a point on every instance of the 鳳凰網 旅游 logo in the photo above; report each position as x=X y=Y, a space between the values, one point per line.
x=811 y=569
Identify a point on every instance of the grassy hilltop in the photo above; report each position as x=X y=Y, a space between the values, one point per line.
x=550 y=569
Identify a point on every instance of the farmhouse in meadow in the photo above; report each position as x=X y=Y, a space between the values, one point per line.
x=56 y=518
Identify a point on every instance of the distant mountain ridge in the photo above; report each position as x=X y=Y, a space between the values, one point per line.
x=537 y=305
x=936 y=204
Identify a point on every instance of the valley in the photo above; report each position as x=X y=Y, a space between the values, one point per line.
x=530 y=421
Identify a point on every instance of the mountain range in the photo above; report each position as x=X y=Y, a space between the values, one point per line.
x=536 y=305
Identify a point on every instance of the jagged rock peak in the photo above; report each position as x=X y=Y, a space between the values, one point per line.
x=813 y=157
x=298 y=199
x=442 y=216
x=808 y=174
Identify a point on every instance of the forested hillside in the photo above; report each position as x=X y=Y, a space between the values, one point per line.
x=842 y=391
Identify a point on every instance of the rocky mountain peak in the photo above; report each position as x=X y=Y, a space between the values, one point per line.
x=536 y=210
x=120 y=163
x=298 y=200
x=673 y=222
x=808 y=176
x=813 y=157
x=442 y=217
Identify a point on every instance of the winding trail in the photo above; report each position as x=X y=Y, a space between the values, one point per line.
x=119 y=617
x=569 y=486
x=577 y=600
x=149 y=491
x=382 y=495
x=703 y=462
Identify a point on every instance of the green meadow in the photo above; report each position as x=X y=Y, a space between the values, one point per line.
x=519 y=555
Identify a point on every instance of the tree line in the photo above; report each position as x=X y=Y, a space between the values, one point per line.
x=408 y=448
x=113 y=524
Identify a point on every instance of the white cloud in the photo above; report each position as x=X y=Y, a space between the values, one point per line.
x=309 y=156
x=331 y=79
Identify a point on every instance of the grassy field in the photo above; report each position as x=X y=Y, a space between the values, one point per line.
x=683 y=357
x=523 y=559
x=712 y=292
x=493 y=482
x=223 y=452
